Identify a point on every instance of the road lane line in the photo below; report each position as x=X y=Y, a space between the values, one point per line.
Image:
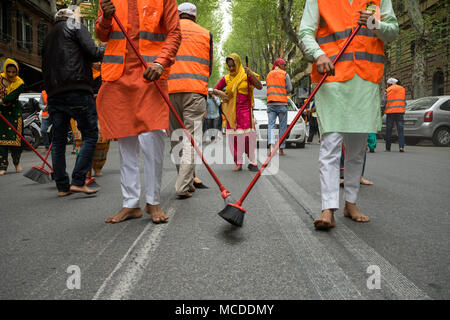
x=328 y=279
x=119 y=284
x=400 y=285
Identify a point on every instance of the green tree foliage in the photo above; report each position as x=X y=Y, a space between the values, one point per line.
x=257 y=32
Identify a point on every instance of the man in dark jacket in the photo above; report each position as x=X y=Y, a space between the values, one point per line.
x=68 y=54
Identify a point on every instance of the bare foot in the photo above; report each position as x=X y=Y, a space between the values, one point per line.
x=237 y=168
x=326 y=220
x=352 y=211
x=18 y=168
x=85 y=189
x=2 y=172
x=64 y=193
x=98 y=174
x=125 y=214
x=365 y=182
x=158 y=215
x=282 y=153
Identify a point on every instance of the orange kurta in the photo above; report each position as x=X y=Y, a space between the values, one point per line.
x=130 y=105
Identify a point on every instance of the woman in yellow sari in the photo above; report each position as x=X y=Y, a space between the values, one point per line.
x=238 y=106
x=11 y=86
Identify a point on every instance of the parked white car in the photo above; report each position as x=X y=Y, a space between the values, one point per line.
x=296 y=137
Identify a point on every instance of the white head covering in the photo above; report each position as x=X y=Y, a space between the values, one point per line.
x=188 y=8
x=392 y=81
x=64 y=13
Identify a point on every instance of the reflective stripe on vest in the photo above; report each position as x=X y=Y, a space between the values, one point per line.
x=276 y=86
x=190 y=72
x=364 y=55
x=396 y=99
x=151 y=37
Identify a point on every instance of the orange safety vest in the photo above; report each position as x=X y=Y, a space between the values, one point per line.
x=190 y=72
x=276 y=86
x=364 y=55
x=152 y=37
x=44 y=99
x=396 y=99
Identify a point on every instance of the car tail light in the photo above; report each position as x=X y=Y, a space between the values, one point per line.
x=428 y=116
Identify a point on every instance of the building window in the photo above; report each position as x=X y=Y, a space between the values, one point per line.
x=24 y=31
x=438 y=83
x=42 y=33
x=5 y=22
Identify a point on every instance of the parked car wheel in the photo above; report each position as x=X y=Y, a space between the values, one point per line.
x=411 y=141
x=300 y=145
x=441 y=137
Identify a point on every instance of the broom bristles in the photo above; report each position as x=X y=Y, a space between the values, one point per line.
x=233 y=215
x=38 y=175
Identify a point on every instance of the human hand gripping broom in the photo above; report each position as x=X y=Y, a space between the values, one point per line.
x=226 y=195
x=233 y=212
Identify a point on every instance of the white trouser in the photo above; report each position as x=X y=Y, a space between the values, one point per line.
x=329 y=163
x=152 y=146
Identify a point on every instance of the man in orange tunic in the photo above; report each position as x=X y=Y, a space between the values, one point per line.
x=131 y=109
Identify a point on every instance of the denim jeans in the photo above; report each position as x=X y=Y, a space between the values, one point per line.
x=45 y=123
x=273 y=112
x=79 y=105
x=398 y=119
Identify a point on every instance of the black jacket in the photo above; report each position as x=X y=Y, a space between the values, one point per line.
x=67 y=57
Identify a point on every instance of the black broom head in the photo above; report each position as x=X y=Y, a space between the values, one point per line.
x=38 y=175
x=233 y=214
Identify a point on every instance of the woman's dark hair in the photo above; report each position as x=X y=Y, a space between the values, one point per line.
x=11 y=65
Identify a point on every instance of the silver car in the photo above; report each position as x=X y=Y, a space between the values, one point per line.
x=426 y=118
x=296 y=137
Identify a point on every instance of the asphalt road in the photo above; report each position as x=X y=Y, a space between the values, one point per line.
x=277 y=254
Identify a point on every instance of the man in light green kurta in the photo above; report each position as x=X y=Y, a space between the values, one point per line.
x=347 y=111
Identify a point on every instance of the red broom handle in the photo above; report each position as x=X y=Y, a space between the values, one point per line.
x=46 y=156
x=144 y=64
x=288 y=130
x=18 y=133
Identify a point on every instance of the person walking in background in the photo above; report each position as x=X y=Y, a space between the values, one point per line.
x=278 y=87
x=188 y=90
x=348 y=102
x=213 y=118
x=45 y=120
x=131 y=109
x=313 y=125
x=11 y=86
x=372 y=142
x=394 y=104
x=102 y=148
x=238 y=109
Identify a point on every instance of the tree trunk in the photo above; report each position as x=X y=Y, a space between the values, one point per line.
x=285 y=13
x=419 y=62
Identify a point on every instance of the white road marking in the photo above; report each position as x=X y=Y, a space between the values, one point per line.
x=130 y=269
x=402 y=287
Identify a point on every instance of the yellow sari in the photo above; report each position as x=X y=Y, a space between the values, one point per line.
x=236 y=83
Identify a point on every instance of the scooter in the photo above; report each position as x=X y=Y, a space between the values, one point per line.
x=31 y=123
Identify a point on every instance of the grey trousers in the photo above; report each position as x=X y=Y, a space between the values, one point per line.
x=191 y=108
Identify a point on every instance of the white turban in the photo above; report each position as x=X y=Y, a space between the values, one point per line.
x=392 y=81
x=188 y=8
x=64 y=13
